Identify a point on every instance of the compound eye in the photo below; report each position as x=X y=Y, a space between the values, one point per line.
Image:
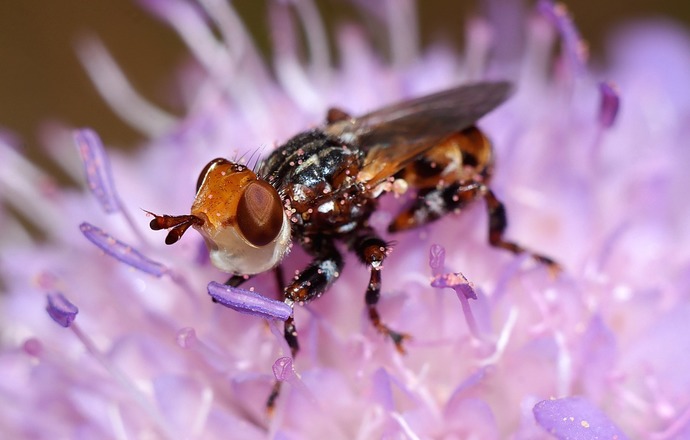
x=206 y=169
x=260 y=213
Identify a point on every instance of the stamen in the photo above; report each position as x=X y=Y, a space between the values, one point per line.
x=182 y=282
x=463 y=291
x=238 y=40
x=503 y=338
x=479 y=39
x=574 y=46
x=192 y=28
x=186 y=338
x=289 y=69
x=234 y=34
x=33 y=347
x=456 y=281
x=403 y=31
x=381 y=391
x=284 y=371
x=506 y=19
x=575 y=417
x=372 y=9
x=61 y=309
x=675 y=429
x=279 y=334
x=57 y=142
x=564 y=365
x=14 y=233
x=215 y=360
x=406 y=428
x=117 y=91
x=239 y=73
x=437 y=258
x=473 y=380
x=317 y=37
x=7 y=137
x=535 y=66
x=609 y=104
x=97 y=169
x=99 y=177
x=245 y=301
x=122 y=251
x=64 y=313
x=31 y=191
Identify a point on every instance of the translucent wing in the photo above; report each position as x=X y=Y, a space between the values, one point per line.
x=395 y=135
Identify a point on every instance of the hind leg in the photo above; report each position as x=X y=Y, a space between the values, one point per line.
x=435 y=203
x=498 y=222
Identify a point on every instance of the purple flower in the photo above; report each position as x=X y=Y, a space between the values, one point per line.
x=592 y=167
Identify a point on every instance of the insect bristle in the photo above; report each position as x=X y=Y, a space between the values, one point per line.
x=256 y=155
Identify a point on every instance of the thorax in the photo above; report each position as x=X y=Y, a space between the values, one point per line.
x=316 y=176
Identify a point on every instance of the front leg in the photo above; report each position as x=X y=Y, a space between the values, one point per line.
x=372 y=250
x=307 y=285
x=238 y=280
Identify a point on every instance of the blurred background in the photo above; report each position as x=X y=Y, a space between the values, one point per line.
x=41 y=78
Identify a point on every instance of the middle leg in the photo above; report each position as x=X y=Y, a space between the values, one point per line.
x=372 y=250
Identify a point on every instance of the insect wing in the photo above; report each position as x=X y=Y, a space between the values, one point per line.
x=395 y=135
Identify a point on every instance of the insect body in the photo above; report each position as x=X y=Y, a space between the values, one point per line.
x=322 y=186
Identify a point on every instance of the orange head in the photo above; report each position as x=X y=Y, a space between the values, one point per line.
x=240 y=216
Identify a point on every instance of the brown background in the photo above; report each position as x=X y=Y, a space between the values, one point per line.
x=41 y=79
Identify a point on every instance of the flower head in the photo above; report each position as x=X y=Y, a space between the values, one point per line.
x=591 y=165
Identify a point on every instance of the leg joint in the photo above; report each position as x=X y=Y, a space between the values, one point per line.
x=372 y=251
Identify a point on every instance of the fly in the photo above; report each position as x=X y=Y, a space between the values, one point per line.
x=322 y=186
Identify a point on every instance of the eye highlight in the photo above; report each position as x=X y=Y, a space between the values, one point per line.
x=206 y=169
x=259 y=213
